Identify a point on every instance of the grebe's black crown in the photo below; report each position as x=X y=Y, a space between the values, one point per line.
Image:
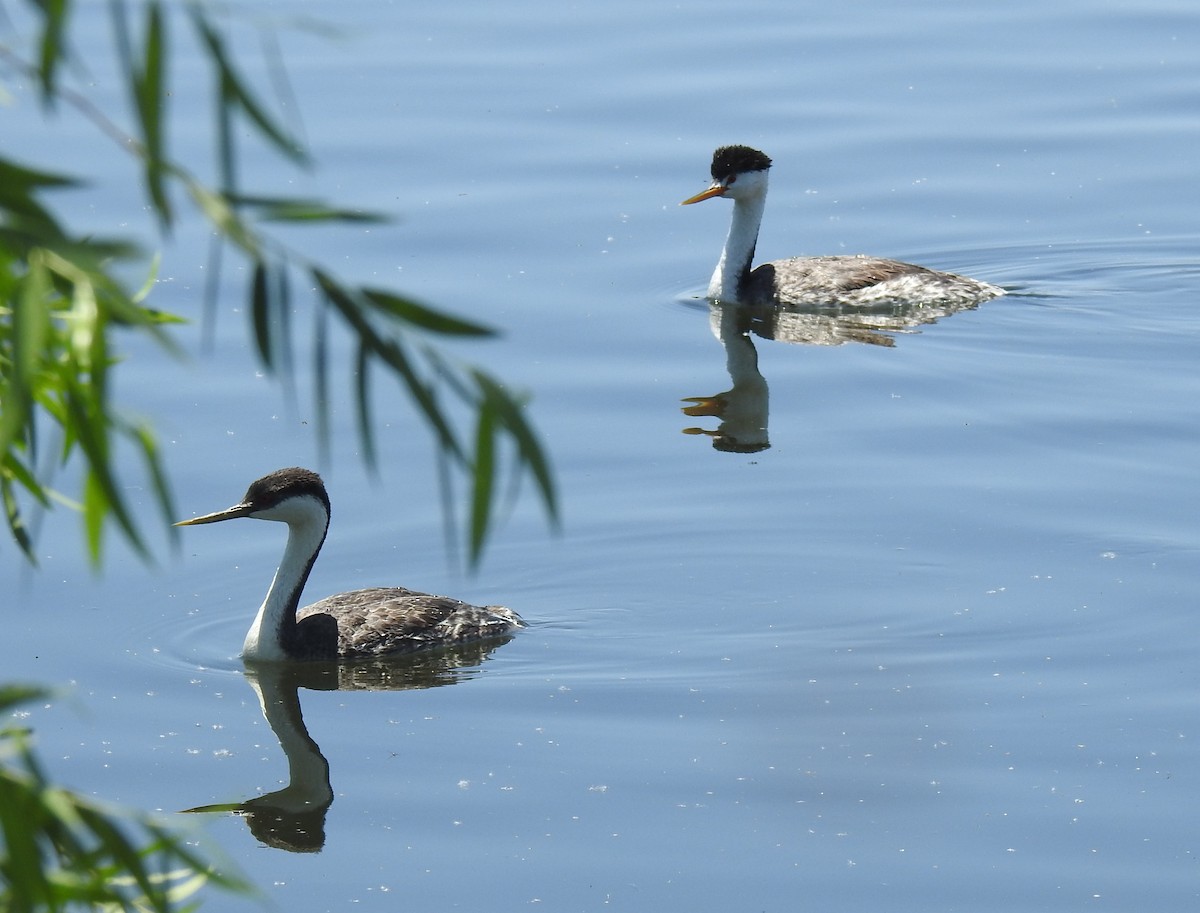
x=283 y=484
x=730 y=160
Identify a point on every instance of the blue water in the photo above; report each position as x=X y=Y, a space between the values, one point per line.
x=933 y=649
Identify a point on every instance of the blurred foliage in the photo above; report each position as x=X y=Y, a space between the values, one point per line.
x=61 y=851
x=63 y=303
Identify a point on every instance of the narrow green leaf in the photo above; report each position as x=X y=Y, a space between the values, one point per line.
x=53 y=46
x=144 y=79
x=511 y=412
x=217 y=209
x=321 y=377
x=484 y=477
x=225 y=99
x=425 y=395
x=15 y=520
x=95 y=508
x=27 y=883
x=14 y=470
x=260 y=311
x=297 y=209
x=283 y=312
x=128 y=858
x=426 y=318
x=366 y=433
x=12 y=695
x=225 y=137
x=16 y=178
x=30 y=327
x=234 y=91
x=31 y=324
x=124 y=41
x=391 y=352
x=446 y=493
x=152 y=96
x=102 y=497
x=27 y=224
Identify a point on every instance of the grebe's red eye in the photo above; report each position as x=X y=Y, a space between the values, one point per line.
x=729 y=180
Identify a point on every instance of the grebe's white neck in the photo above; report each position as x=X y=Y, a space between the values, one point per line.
x=749 y=195
x=307 y=522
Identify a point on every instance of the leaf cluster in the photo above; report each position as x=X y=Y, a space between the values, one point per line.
x=59 y=307
x=62 y=301
x=62 y=851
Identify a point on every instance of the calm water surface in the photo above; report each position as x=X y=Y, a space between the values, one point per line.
x=932 y=649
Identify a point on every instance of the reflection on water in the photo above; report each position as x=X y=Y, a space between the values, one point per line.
x=293 y=818
x=837 y=325
x=743 y=409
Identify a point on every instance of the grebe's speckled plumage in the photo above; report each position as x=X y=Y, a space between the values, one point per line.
x=362 y=623
x=740 y=173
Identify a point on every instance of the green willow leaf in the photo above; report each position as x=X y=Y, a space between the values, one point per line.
x=366 y=434
x=419 y=315
x=95 y=509
x=392 y=354
x=512 y=415
x=321 y=377
x=260 y=314
x=234 y=91
x=298 y=209
x=13 y=469
x=217 y=209
x=144 y=75
x=29 y=330
x=151 y=99
x=12 y=696
x=19 y=180
x=484 y=477
x=66 y=303
x=53 y=45
x=16 y=521
x=63 y=851
x=283 y=312
x=102 y=497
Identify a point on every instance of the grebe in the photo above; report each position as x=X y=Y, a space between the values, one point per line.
x=362 y=623
x=740 y=173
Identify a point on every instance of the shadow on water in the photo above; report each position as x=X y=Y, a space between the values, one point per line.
x=293 y=818
x=744 y=408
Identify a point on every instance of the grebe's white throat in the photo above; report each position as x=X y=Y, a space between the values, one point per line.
x=362 y=623
x=740 y=174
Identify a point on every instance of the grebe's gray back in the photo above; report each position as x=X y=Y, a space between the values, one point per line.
x=362 y=623
x=740 y=174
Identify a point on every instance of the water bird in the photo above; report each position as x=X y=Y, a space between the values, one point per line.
x=373 y=622
x=739 y=173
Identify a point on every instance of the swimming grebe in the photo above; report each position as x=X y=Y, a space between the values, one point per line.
x=362 y=623
x=740 y=173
